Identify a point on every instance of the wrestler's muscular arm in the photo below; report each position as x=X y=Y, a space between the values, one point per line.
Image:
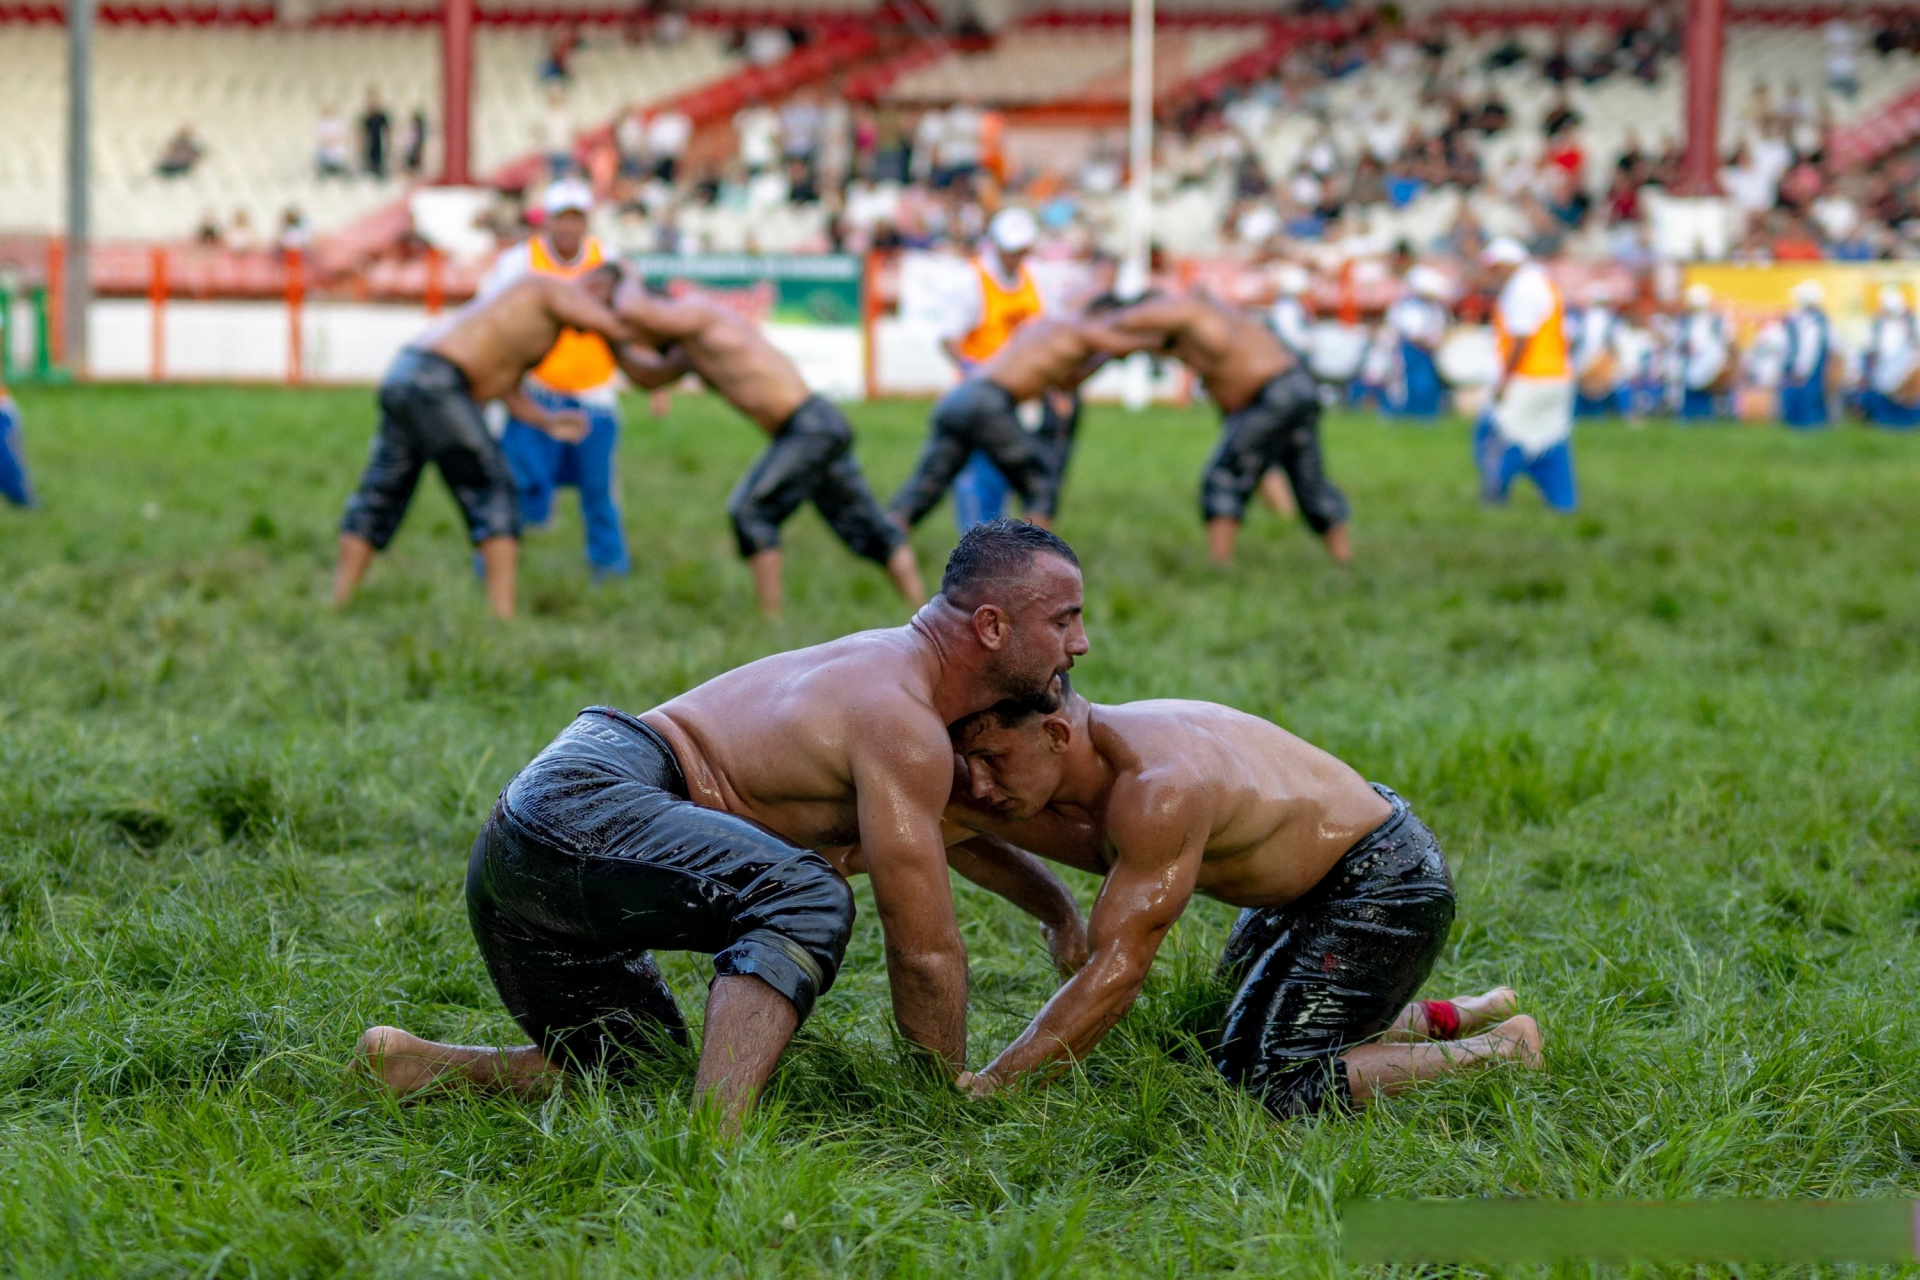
x=1026 y=882
x=564 y=425
x=902 y=765
x=649 y=369
x=1159 y=837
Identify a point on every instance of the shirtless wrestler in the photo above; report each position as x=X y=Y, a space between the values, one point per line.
x=1270 y=414
x=430 y=412
x=1347 y=899
x=693 y=827
x=810 y=458
x=1047 y=353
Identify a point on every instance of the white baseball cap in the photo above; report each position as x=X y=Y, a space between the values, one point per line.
x=1699 y=297
x=1893 y=299
x=1013 y=230
x=567 y=194
x=1808 y=293
x=1426 y=281
x=1292 y=280
x=1505 y=251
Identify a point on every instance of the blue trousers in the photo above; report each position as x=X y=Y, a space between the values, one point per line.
x=1611 y=405
x=542 y=464
x=14 y=486
x=979 y=493
x=1804 y=404
x=1425 y=393
x=1502 y=462
x=1701 y=406
x=1885 y=412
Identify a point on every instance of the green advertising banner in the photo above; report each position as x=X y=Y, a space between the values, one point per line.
x=821 y=289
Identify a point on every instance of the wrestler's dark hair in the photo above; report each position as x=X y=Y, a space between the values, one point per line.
x=991 y=555
x=1011 y=713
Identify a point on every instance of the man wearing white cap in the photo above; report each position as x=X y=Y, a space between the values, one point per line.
x=1892 y=396
x=1704 y=357
x=576 y=379
x=1418 y=321
x=1528 y=426
x=1000 y=297
x=1810 y=361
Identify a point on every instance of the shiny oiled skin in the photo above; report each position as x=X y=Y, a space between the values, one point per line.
x=1164 y=798
x=1276 y=811
x=847 y=741
x=1231 y=352
x=1055 y=353
x=726 y=350
x=496 y=340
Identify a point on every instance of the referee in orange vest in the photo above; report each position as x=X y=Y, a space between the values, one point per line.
x=576 y=378
x=1527 y=428
x=1002 y=297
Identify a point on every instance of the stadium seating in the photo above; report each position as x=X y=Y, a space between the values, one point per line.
x=1039 y=64
x=253 y=95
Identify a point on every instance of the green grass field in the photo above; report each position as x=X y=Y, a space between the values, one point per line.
x=1669 y=744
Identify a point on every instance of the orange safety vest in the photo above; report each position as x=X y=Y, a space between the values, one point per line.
x=1545 y=354
x=577 y=361
x=1002 y=310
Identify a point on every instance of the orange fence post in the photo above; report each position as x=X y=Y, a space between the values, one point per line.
x=870 y=319
x=157 y=303
x=436 y=285
x=57 y=299
x=1349 y=296
x=296 y=294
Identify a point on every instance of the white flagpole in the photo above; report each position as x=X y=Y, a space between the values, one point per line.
x=1134 y=262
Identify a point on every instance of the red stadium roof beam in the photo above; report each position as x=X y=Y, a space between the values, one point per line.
x=1705 y=50
x=456 y=79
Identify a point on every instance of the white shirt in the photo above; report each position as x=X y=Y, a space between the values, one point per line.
x=668 y=132
x=758 y=131
x=1807 y=336
x=1593 y=338
x=1894 y=348
x=1293 y=326
x=1421 y=321
x=1526 y=300
x=1704 y=348
x=330 y=139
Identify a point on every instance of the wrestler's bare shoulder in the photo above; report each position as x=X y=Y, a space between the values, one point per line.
x=865 y=669
x=1176 y=736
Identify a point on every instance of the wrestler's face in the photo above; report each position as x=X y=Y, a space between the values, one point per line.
x=1014 y=772
x=1043 y=628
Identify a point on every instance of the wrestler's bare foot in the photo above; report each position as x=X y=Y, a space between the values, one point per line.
x=1517 y=1040
x=407 y=1064
x=1222 y=533
x=1382 y=1070
x=1473 y=1014
x=1339 y=545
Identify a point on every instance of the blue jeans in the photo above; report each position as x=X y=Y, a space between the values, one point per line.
x=14 y=486
x=1701 y=406
x=1425 y=393
x=979 y=493
x=542 y=464
x=1804 y=404
x=1884 y=411
x=1502 y=462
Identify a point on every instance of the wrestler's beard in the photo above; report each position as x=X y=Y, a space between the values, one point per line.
x=1027 y=677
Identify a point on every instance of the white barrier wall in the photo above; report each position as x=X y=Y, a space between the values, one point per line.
x=345 y=342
